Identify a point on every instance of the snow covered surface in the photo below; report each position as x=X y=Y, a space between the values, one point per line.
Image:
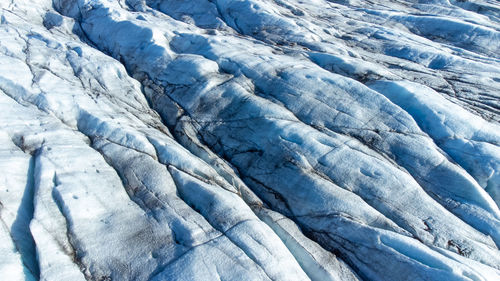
x=249 y=140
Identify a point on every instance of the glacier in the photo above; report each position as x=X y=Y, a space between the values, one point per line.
x=249 y=140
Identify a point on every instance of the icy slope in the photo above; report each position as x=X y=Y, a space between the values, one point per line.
x=249 y=140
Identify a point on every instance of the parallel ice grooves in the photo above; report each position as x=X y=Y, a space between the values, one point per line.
x=268 y=160
x=474 y=146
x=318 y=263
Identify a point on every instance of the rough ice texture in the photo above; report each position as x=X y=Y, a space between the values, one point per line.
x=249 y=140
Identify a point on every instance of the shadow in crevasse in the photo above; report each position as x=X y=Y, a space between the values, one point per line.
x=20 y=230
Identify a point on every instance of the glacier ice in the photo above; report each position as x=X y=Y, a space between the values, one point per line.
x=249 y=140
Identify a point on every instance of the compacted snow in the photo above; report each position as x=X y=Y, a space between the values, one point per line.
x=249 y=140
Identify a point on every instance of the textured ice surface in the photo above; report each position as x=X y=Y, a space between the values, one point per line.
x=249 y=140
